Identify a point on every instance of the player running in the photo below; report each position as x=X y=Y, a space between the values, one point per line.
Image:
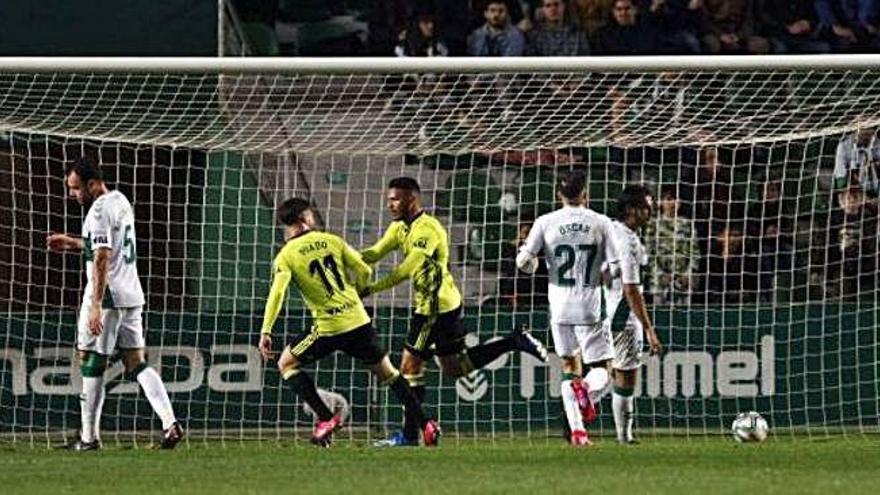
x=575 y=242
x=319 y=263
x=436 y=326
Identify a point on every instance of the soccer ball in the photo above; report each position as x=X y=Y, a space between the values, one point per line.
x=749 y=427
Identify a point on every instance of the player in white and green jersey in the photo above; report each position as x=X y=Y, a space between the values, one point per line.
x=575 y=242
x=110 y=317
x=627 y=315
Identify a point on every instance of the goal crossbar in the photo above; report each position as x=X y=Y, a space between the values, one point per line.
x=390 y=65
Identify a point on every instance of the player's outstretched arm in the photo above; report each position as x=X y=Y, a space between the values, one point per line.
x=354 y=263
x=63 y=242
x=383 y=246
x=640 y=309
x=401 y=272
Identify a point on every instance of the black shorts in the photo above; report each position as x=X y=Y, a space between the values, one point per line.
x=362 y=343
x=443 y=334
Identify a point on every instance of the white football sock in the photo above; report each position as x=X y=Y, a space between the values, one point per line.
x=569 y=403
x=623 y=415
x=91 y=402
x=599 y=382
x=155 y=391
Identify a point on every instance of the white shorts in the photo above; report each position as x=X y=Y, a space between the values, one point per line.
x=628 y=348
x=123 y=328
x=592 y=341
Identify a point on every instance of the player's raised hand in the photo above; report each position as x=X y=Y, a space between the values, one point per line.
x=265 y=347
x=96 y=322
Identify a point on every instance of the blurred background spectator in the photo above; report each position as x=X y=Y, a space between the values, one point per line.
x=679 y=23
x=857 y=161
x=730 y=28
x=554 y=35
x=590 y=15
x=420 y=39
x=771 y=230
x=791 y=26
x=627 y=33
x=771 y=211
x=731 y=270
x=709 y=191
x=673 y=254
x=851 y=25
x=516 y=289
x=845 y=260
x=497 y=37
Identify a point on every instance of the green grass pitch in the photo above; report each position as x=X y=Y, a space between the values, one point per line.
x=706 y=466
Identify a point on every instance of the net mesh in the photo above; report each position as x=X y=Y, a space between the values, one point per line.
x=763 y=258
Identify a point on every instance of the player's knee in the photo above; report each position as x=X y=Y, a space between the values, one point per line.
x=289 y=371
x=93 y=365
x=411 y=365
x=625 y=378
x=385 y=370
x=571 y=365
x=134 y=361
x=288 y=365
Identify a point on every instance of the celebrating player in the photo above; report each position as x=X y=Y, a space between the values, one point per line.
x=575 y=242
x=111 y=314
x=319 y=264
x=628 y=318
x=437 y=302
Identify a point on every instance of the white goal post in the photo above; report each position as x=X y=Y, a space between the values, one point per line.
x=763 y=285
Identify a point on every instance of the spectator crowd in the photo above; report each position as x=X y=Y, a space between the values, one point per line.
x=501 y=28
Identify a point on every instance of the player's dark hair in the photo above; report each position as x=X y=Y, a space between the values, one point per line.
x=405 y=183
x=632 y=197
x=291 y=211
x=86 y=169
x=572 y=184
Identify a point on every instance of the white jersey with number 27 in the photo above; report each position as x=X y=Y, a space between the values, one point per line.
x=575 y=241
x=110 y=224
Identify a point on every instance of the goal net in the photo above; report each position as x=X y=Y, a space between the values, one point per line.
x=764 y=252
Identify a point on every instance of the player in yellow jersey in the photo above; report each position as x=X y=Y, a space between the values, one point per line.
x=319 y=264
x=436 y=326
